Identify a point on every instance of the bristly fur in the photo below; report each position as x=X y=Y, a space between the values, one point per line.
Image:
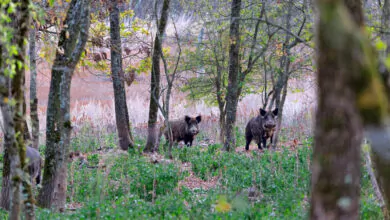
x=181 y=129
x=261 y=128
x=35 y=164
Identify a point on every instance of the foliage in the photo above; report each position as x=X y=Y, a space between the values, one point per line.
x=210 y=59
x=124 y=189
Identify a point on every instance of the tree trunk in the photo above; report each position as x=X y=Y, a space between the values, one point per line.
x=335 y=189
x=33 y=91
x=26 y=133
x=234 y=71
x=17 y=91
x=380 y=163
x=122 y=120
x=280 y=90
x=9 y=138
x=385 y=25
x=14 y=117
x=275 y=139
x=155 y=80
x=6 y=181
x=222 y=126
x=9 y=132
x=58 y=128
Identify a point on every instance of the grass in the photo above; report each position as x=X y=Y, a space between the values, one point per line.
x=131 y=187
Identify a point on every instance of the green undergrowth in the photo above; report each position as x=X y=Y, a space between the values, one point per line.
x=130 y=186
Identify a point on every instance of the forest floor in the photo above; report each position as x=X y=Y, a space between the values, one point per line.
x=200 y=182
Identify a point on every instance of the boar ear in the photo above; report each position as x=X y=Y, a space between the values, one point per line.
x=275 y=111
x=187 y=118
x=199 y=118
x=262 y=112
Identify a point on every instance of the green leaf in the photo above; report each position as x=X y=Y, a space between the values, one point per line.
x=387 y=62
x=11 y=8
x=51 y=3
x=380 y=45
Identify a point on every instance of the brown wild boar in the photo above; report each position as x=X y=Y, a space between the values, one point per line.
x=261 y=128
x=182 y=129
x=35 y=164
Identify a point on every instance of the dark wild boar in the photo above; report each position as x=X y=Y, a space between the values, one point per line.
x=182 y=129
x=261 y=128
x=35 y=164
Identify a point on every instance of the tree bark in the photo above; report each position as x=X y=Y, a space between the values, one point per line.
x=155 y=80
x=9 y=132
x=14 y=118
x=9 y=139
x=343 y=74
x=26 y=133
x=280 y=89
x=233 y=78
x=17 y=91
x=121 y=111
x=6 y=181
x=19 y=113
x=380 y=163
x=386 y=24
x=33 y=91
x=71 y=43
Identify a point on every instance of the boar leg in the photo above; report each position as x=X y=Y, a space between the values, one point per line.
x=248 y=141
x=189 y=143
x=38 y=178
x=271 y=140
x=264 y=140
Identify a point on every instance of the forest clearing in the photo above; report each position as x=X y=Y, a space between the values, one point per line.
x=207 y=109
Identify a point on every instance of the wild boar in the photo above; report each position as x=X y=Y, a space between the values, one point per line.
x=35 y=164
x=261 y=128
x=183 y=130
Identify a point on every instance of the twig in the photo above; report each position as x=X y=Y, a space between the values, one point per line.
x=374 y=182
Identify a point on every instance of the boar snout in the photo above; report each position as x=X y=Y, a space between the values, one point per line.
x=193 y=131
x=269 y=126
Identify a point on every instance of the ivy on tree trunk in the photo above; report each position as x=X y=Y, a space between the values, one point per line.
x=14 y=118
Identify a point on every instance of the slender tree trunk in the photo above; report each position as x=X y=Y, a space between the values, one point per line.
x=9 y=138
x=280 y=90
x=155 y=80
x=72 y=40
x=14 y=118
x=15 y=166
x=33 y=91
x=234 y=71
x=121 y=112
x=335 y=189
x=275 y=139
x=6 y=181
x=17 y=90
x=165 y=111
x=9 y=132
x=380 y=163
x=386 y=24
x=26 y=133
x=222 y=126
